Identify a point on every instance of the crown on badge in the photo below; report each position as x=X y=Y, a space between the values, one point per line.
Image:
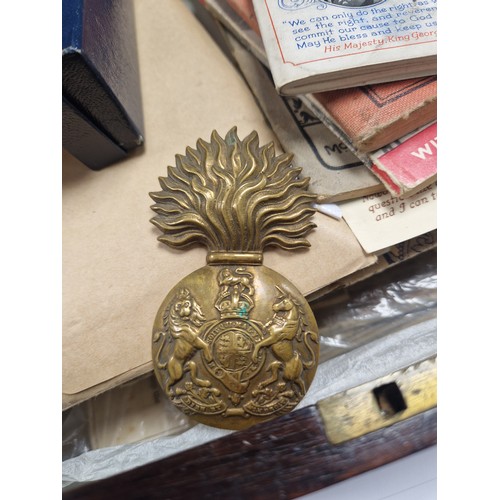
x=236 y=289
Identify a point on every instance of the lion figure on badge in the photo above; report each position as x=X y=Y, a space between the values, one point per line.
x=183 y=320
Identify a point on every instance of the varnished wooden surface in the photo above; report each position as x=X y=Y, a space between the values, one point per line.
x=282 y=459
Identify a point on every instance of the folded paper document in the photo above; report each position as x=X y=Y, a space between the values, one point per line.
x=114 y=270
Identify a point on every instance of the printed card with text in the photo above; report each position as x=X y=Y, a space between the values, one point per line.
x=382 y=219
x=320 y=45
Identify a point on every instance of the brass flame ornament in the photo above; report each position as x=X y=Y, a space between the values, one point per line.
x=234 y=343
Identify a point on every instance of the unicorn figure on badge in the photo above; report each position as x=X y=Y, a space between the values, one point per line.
x=284 y=328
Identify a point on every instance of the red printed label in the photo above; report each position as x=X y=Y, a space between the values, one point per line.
x=415 y=160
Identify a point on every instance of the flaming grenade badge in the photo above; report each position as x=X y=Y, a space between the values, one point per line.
x=234 y=343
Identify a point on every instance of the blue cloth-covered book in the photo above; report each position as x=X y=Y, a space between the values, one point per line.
x=102 y=109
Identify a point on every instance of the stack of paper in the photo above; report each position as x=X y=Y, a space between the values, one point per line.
x=372 y=149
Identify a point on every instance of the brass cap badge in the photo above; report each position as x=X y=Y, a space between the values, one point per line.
x=234 y=343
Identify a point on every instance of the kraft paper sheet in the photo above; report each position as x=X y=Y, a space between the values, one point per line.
x=115 y=272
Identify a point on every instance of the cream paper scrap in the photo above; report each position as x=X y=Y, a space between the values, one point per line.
x=381 y=220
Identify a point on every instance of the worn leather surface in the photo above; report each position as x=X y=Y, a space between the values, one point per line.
x=100 y=72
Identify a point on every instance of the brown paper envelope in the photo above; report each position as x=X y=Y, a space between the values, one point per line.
x=115 y=273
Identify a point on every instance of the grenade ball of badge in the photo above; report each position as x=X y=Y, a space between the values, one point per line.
x=234 y=343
